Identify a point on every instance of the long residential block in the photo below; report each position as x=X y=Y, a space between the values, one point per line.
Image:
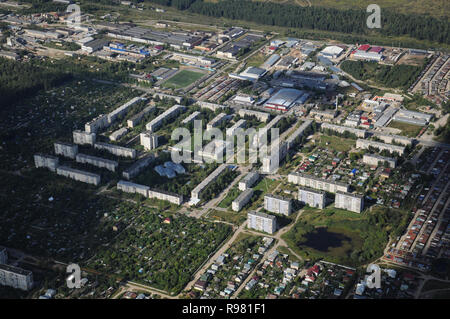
x=216 y=121
x=317 y=183
x=248 y=181
x=136 y=119
x=389 y=138
x=242 y=200
x=122 y=110
x=81 y=176
x=365 y=144
x=239 y=124
x=138 y=167
x=261 y=116
x=167 y=196
x=342 y=129
x=133 y=188
x=169 y=114
x=66 y=149
x=196 y=192
x=290 y=141
x=116 y=150
x=15 y=277
x=117 y=135
x=148 y=192
x=190 y=118
x=375 y=160
x=97 y=124
x=82 y=138
x=46 y=161
x=97 y=161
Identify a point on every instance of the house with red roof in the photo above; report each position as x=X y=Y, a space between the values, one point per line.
x=364 y=47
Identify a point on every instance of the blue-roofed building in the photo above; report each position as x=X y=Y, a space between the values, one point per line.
x=178 y=168
x=271 y=61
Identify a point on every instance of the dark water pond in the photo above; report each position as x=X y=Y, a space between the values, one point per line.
x=321 y=239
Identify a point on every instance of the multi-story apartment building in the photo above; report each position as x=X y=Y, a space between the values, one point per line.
x=262 y=222
x=15 y=277
x=242 y=200
x=277 y=204
x=248 y=180
x=66 y=149
x=311 y=197
x=348 y=201
x=317 y=183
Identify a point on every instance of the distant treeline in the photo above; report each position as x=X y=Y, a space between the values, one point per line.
x=349 y=21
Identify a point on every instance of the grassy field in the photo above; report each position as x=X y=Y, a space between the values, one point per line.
x=229 y=216
x=256 y=60
x=183 y=79
x=341 y=236
x=336 y=143
x=409 y=130
x=231 y=196
x=335 y=230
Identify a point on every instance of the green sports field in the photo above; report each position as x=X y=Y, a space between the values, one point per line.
x=183 y=79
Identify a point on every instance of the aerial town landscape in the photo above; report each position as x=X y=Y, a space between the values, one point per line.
x=123 y=124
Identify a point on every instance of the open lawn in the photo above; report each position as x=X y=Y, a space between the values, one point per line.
x=229 y=216
x=256 y=60
x=231 y=196
x=183 y=79
x=336 y=143
x=409 y=130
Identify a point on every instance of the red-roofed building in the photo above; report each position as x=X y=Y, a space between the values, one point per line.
x=376 y=50
x=315 y=269
x=310 y=277
x=364 y=47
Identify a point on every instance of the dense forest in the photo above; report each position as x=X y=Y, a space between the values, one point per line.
x=318 y=18
x=24 y=79
x=398 y=76
x=19 y=80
